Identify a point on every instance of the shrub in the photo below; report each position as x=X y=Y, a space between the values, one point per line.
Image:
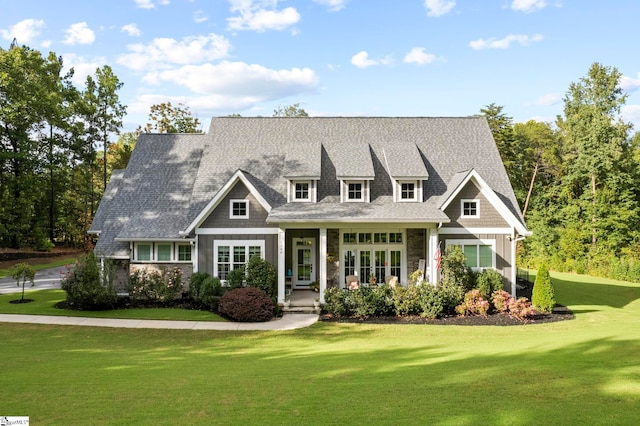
x=371 y=301
x=454 y=269
x=86 y=287
x=521 y=309
x=430 y=299
x=195 y=283
x=451 y=295
x=235 y=278
x=262 y=274
x=543 y=297
x=406 y=300
x=488 y=281
x=337 y=302
x=210 y=291
x=155 y=286
x=247 y=304
x=501 y=300
x=474 y=304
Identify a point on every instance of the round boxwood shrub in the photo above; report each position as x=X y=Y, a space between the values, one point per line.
x=246 y=304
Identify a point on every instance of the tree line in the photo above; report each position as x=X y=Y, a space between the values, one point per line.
x=577 y=180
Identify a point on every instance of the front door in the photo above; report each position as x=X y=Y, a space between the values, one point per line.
x=304 y=259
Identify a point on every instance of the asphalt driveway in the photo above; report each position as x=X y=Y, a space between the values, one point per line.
x=45 y=279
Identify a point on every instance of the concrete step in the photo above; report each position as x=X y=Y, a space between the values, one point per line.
x=300 y=310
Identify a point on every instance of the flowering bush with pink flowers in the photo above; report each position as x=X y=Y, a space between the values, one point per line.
x=520 y=309
x=160 y=286
x=474 y=304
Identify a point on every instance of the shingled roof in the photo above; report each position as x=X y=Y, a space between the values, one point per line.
x=172 y=178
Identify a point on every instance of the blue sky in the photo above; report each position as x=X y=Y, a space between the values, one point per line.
x=338 y=57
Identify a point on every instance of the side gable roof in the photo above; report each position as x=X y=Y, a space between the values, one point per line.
x=460 y=180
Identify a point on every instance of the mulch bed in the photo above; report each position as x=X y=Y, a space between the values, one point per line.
x=560 y=313
x=525 y=288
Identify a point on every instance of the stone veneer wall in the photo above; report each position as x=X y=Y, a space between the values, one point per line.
x=187 y=270
x=333 y=268
x=415 y=251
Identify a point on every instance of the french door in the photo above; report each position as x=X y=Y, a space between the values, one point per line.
x=304 y=259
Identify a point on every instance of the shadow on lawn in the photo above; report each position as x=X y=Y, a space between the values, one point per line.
x=580 y=292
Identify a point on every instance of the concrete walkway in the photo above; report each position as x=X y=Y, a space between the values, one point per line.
x=287 y=322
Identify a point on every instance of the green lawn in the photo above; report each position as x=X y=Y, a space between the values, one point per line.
x=580 y=372
x=44 y=302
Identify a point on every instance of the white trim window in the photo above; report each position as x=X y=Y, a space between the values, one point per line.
x=355 y=191
x=143 y=252
x=232 y=254
x=408 y=191
x=163 y=252
x=479 y=254
x=239 y=209
x=302 y=191
x=470 y=208
x=184 y=253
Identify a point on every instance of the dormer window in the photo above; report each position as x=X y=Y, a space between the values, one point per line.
x=408 y=191
x=354 y=191
x=470 y=208
x=302 y=191
x=239 y=209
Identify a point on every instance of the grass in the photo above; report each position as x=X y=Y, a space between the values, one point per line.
x=6 y=272
x=44 y=302
x=583 y=371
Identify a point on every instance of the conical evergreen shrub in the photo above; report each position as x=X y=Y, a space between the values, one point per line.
x=543 y=297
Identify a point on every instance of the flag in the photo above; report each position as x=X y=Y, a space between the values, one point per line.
x=438 y=257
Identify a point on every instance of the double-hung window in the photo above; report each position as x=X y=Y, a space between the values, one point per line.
x=230 y=255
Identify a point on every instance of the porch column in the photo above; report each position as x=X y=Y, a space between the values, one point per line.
x=322 y=264
x=281 y=267
x=514 y=269
x=433 y=248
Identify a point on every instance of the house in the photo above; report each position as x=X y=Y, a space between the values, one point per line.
x=320 y=198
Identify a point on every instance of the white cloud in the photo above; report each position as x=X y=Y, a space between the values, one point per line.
x=504 y=43
x=82 y=66
x=631 y=113
x=261 y=15
x=629 y=84
x=549 y=99
x=362 y=60
x=199 y=16
x=79 y=33
x=24 y=31
x=417 y=55
x=239 y=80
x=439 y=7
x=150 y=4
x=528 y=5
x=163 y=52
x=333 y=5
x=131 y=29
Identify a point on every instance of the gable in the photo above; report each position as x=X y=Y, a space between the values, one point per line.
x=220 y=215
x=489 y=217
